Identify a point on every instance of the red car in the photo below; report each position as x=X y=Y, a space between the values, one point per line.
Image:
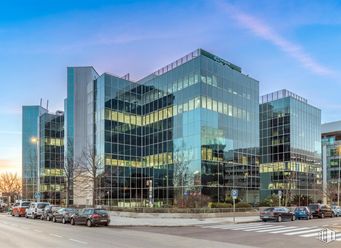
x=19 y=208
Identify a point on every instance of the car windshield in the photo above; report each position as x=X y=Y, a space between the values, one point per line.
x=25 y=204
x=41 y=205
x=70 y=210
x=100 y=211
x=268 y=209
x=313 y=207
x=300 y=209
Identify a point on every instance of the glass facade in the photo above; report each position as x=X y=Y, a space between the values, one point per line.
x=191 y=128
x=30 y=122
x=290 y=143
x=51 y=142
x=331 y=140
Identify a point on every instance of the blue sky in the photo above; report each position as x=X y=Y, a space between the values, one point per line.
x=283 y=44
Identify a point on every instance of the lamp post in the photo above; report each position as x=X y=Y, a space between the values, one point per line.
x=35 y=140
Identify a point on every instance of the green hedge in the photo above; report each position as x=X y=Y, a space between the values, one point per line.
x=243 y=205
x=221 y=205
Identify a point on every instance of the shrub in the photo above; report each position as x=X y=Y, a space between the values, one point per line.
x=243 y=205
x=221 y=205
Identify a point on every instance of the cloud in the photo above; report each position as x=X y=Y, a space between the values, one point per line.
x=266 y=32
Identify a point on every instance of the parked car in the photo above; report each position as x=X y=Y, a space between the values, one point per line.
x=63 y=215
x=336 y=210
x=91 y=217
x=277 y=214
x=321 y=210
x=48 y=212
x=19 y=208
x=36 y=209
x=303 y=213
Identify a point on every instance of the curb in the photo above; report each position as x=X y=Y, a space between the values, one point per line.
x=120 y=226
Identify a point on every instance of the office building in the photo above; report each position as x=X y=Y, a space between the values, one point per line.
x=290 y=143
x=43 y=155
x=331 y=148
x=190 y=129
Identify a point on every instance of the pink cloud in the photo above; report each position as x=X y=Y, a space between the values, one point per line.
x=266 y=32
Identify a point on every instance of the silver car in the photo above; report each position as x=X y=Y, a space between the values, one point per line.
x=336 y=210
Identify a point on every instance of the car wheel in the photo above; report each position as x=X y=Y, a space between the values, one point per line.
x=263 y=220
x=63 y=221
x=26 y=216
x=34 y=216
x=89 y=223
x=279 y=219
x=106 y=224
x=54 y=219
x=333 y=215
x=72 y=222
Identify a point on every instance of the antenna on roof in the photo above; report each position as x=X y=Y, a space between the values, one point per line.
x=47 y=104
x=41 y=101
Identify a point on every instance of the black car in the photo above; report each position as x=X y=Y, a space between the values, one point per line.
x=321 y=210
x=91 y=217
x=278 y=214
x=48 y=212
x=63 y=215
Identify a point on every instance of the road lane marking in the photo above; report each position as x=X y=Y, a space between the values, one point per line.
x=302 y=232
x=55 y=235
x=310 y=235
x=277 y=229
x=78 y=241
x=297 y=229
x=250 y=229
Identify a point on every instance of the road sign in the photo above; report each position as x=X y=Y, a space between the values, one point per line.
x=234 y=193
x=37 y=195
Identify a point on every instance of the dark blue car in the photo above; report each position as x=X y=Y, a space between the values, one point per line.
x=302 y=213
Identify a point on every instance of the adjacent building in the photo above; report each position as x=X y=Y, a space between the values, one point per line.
x=290 y=143
x=43 y=155
x=189 y=129
x=331 y=147
x=193 y=128
x=30 y=150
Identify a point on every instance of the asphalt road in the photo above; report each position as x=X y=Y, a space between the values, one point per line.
x=302 y=233
x=28 y=233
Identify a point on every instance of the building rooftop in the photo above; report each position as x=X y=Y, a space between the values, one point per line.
x=331 y=127
x=187 y=58
x=279 y=95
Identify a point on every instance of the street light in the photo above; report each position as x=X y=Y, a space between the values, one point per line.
x=35 y=140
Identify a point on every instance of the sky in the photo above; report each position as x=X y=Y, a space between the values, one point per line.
x=283 y=44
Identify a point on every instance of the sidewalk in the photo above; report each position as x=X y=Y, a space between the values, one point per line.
x=119 y=221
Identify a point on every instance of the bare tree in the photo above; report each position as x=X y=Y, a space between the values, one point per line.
x=10 y=184
x=91 y=167
x=71 y=172
x=182 y=177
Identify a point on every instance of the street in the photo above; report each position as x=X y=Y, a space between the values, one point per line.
x=21 y=232
x=27 y=233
